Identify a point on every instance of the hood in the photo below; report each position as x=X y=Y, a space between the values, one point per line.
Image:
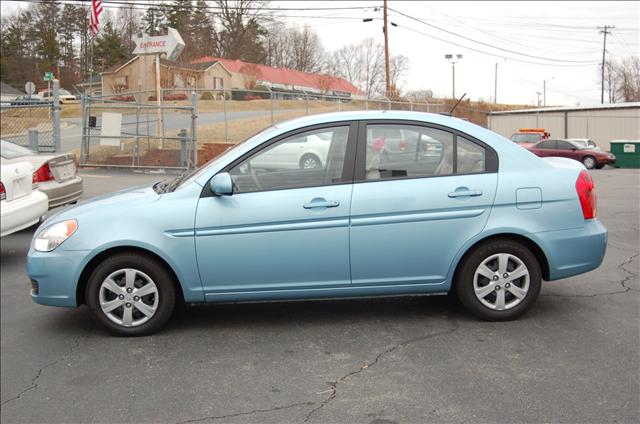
x=127 y=199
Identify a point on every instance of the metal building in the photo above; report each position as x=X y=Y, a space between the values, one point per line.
x=601 y=123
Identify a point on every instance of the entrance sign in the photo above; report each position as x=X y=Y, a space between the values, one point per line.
x=170 y=44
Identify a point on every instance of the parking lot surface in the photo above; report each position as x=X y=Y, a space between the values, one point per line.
x=573 y=358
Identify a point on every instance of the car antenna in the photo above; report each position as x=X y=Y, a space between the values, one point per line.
x=456 y=105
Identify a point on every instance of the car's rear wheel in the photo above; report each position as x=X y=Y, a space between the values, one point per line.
x=310 y=161
x=499 y=280
x=131 y=294
x=589 y=162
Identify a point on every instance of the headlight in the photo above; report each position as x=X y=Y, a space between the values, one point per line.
x=53 y=236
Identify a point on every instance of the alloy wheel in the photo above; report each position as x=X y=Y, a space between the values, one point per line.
x=501 y=281
x=129 y=297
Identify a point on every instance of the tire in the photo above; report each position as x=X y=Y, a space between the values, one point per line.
x=107 y=287
x=589 y=162
x=310 y=161
x=518 y=295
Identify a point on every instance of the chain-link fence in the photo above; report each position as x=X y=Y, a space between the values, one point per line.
x=123 y=131
x=32 y=122
x=134 y=129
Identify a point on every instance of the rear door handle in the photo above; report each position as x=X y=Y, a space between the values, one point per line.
x=321 y=203
x=465 y=193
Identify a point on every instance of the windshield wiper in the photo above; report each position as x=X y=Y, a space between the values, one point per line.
x=176 y=181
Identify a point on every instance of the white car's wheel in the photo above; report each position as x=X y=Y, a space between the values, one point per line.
x=310 y=161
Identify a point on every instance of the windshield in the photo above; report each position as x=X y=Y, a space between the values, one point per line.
x=583 y=144
x=65 y=92
x=194 y=174
x=525 y=138
x=10 y=150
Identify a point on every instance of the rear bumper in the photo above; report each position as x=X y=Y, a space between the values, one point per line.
x=62 y=193
x=575 y=251
x=22 y=213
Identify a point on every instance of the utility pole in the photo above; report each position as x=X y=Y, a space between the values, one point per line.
x=538 y=93
x=386 y=49
x=604 y=30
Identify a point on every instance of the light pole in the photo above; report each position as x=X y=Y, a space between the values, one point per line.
x=495 y=84
x=453 y=62
x=544 y=91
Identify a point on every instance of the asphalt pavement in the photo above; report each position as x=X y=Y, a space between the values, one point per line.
x=575 y=357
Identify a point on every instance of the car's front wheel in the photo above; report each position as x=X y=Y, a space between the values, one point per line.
x=589 y=162
x=131 y=294
x=499 y=280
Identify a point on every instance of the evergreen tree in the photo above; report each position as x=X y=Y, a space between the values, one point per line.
x=109 y=48
x=154 y=20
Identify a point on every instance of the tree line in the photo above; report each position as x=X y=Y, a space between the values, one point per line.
x=50 y=36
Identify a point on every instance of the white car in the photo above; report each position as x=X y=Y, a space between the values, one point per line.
x=21 y=204
x=65 y=96
x=300 y=153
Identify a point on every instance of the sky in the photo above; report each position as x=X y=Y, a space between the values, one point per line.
x=560 y=40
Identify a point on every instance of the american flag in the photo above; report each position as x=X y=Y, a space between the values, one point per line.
x=96 y=10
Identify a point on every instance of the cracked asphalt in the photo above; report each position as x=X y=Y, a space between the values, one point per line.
x=575 y=357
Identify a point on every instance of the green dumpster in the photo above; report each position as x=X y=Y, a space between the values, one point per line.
x=627 y=153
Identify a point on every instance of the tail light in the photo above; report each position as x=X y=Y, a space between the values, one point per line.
x=587 y=195
x=42 y=174
x=3 y=193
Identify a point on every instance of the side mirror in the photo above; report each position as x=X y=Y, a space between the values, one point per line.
x=573 y=149
x=221 y=184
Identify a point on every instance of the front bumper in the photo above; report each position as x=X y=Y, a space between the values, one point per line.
x=575 y=251
x=56 y=275
x=606 y=161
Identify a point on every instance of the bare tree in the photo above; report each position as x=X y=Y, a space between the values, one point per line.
x=240 y=30
x=371 y=67
x=294 y=48
x=628 y=79
x=306 y=50
x=128 y=22
x=399 y=67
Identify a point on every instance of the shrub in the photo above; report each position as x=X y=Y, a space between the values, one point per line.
x=123 y=99
x=180 y=96
x=206 y=96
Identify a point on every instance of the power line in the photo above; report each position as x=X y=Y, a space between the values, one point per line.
x=502 y=38
x=494 y=54
x=211 y=7
x=489 y=45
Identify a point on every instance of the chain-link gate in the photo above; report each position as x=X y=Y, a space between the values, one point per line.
x=129 y=132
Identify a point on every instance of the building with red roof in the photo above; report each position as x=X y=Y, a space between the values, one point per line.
x=282 y=79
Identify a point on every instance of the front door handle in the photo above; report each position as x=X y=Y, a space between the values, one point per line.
x=321 y=203
x=465 y=193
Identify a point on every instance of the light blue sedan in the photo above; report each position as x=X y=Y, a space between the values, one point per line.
x=483 y=218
